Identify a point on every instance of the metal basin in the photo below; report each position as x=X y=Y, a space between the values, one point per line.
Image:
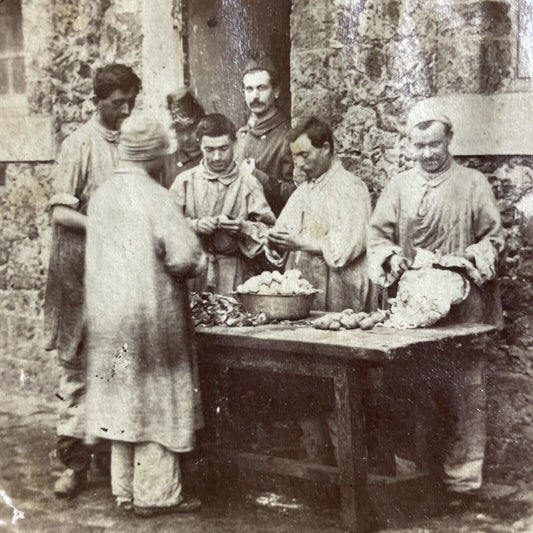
x=278 y=306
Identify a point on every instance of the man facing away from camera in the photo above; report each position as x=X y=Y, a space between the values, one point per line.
x=225 y=206
x=142 y=387
x=448 y=209
x=86 y=160
x=262 y=142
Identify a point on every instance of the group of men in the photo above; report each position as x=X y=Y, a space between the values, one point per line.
x=126 y=251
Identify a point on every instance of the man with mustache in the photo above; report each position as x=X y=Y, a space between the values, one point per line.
x=87 y=158
x=444 y=208
x=262 y=143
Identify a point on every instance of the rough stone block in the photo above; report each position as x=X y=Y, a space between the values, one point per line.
x=345 y=15
x=312 y=102
x=22 y=303
x=520 y=359
x=23 y=330
x=345 y=73
x=310 y=69
x=356 y=121
x=412 y=67
x=516 y=295
x=416 y=20
x=472 y=66
x=510 y=400
x=24 y=259
x=520 y=332
x=30 y=376
x=365 y=169
x=504 y=358
x=391 y=113
x=508 y=460
x=474 y=19
x=4 y=330
x=379 y=19
x=309 y=24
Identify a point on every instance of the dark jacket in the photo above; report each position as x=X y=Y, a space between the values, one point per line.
x=267 y=144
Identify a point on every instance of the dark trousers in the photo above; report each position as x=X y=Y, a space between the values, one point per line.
x=73 y=453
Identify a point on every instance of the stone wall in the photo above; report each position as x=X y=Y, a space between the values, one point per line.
x=361 y=64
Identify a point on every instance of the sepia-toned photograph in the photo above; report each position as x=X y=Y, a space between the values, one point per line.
x=266 y=266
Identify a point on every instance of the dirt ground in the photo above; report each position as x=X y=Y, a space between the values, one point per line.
x=29 y=467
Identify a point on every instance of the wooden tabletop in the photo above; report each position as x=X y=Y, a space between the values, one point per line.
x=376 y=345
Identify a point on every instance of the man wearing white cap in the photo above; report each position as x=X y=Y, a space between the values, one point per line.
x=445 y=208
x=142 y=390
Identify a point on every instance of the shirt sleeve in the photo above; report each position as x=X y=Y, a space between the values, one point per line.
x=349 y=215
x=260 y=218
x=490 y=242
x=69 y=174
x=382 y=243
x=177 y=245
x=289 y=220
x=178 y=193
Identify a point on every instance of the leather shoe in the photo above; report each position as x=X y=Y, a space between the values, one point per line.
x=70 y=483
x=186 y=506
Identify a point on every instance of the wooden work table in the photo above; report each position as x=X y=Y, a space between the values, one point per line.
x=342 y=356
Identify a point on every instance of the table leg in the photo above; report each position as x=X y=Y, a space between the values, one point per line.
x=351 y=451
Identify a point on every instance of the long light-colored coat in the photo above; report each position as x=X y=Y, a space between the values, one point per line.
x=142 y=384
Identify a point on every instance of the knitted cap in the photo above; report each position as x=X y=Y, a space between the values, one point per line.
x=142 y=138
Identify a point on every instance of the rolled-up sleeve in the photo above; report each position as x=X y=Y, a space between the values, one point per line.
x=69 y=174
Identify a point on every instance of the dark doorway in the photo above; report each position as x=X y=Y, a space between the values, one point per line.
x=220 y=34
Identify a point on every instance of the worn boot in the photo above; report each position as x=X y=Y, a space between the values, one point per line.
x=70 y=483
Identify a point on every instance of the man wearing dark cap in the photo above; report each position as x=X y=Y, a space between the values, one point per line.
x=86 y=160
x=186 y=112
x=261 y=142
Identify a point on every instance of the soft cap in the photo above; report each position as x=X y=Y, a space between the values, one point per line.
x=142 y=138
x=425 y=111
